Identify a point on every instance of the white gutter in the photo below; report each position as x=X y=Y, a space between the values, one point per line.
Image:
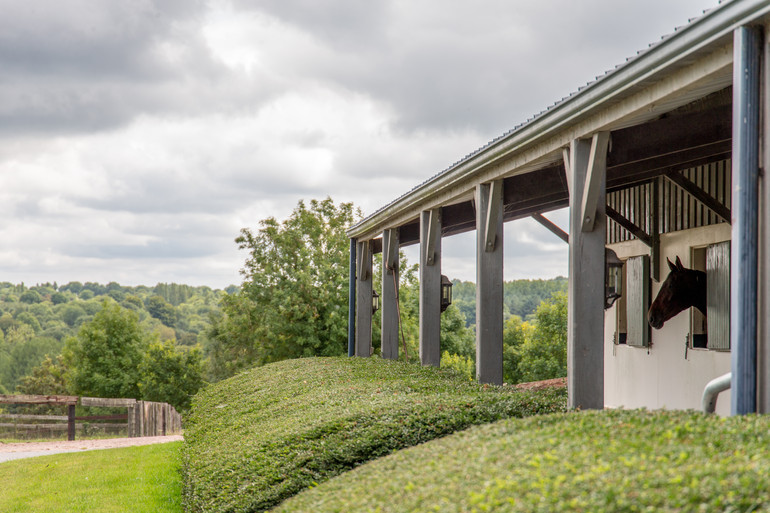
x=713 y=27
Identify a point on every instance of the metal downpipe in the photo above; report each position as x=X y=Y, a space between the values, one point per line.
x=714 y=387
x=747 y=47
x=352 y=300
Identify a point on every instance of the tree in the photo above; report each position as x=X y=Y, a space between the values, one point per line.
x=170 y=375
x=48 y=378
x=293 y=301
x=105 y=355
x=161 y=310
x=544 y=353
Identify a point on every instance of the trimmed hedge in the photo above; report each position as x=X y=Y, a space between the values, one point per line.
x=262 y=436
x=611 y=461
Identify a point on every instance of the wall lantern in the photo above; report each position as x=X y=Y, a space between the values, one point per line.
x=375 y=301
x=446 y=292
x=613 y=279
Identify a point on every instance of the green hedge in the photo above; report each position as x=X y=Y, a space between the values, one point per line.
x=262 y=436
x=612 y=461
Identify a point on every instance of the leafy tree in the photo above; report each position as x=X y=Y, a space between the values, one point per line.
x=171 y=375
x=30 y=320
x=293 y=301
x=544 y=354
x=161 y=310
x=58 y=298
x=105 y=356
x=30 y=296
x=48 y=378
x=71 y=313
x=515 y=334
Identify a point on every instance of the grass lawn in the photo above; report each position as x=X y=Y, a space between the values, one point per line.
x=611 y=461
x=260 y=437
x=131 y=480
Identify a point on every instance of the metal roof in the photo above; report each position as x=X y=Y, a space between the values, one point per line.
x=684 y=47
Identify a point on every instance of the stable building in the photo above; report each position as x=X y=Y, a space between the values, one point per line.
x=659 y=162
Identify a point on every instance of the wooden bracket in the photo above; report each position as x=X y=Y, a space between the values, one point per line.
x=597 y=168
x=567 y=169
x=432 y=234
x=390 y=249
x=551 y=226
x=494 y=197
x=628 y=225
x=364 y=258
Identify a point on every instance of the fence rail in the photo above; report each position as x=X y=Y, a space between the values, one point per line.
x=143 y=418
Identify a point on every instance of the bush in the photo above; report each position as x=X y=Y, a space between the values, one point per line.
x=588 y=461
x=266 y=434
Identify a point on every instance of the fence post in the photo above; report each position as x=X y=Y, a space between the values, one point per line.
x=70 y=422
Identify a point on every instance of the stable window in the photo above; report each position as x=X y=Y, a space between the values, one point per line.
x=712 y=331
x=631 y=325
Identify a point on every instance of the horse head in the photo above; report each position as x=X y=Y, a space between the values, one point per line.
x=682 y=289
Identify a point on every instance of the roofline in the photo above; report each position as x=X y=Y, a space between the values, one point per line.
x=710 y=28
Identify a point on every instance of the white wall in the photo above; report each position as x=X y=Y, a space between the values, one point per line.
x=659 y=376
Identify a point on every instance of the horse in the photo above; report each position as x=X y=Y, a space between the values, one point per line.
x=682 y=289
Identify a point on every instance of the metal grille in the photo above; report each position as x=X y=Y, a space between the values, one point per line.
x=718 y=295
x=638 y=300
x=677 y=209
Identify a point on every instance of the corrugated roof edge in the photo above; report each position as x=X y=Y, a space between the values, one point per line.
x=734 y=13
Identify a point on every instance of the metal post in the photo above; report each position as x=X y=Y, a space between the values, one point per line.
x=352 y=300
x=747 y=47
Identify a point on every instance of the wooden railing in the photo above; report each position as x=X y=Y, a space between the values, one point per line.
x=142 y=418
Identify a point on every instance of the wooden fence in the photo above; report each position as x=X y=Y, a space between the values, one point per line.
x=142 y=418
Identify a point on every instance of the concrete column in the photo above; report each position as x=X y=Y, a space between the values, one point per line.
x=389 y=297
x=430 y=288
x=489 y=283
x=363 y=299
x=585 y=329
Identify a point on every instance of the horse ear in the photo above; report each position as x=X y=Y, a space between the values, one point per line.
x=679 y=264
x=670 y=265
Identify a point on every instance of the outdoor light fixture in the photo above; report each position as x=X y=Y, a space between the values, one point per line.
x=375 y=301
x=613 y=279
x=446 y=292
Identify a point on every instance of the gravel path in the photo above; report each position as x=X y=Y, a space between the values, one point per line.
x=28 y=449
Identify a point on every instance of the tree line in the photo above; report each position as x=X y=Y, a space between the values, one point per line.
x=163 y=343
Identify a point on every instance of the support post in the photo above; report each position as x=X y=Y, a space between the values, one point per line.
x=585 y=331
x=763 y=349
x=363 y=299
x=352 y=300
x=390 y=275
x=489 y=282
x=430 y=287
x=70 y=422
x=747 y=47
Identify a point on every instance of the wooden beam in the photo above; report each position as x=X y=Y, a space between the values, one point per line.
x=628 y=225
x=100 y=401
x=567 y=170
x=38 y=399
x=389 y=298
x=699 y=194
x=364 y=256
x=537 y=216
x=430 y=289
x=655 y=229
x=363 y=345
x=489 y=287
x=585 y=326
x=595 y=179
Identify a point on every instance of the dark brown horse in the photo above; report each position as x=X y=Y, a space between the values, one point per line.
x=682 y=289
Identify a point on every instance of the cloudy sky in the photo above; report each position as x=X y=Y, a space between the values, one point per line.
x=137 y=138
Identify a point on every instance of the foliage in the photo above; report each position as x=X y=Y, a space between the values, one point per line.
x=170 y=374
x=106 y=354
x=266 y=434
x=589 y=461
x=48 y=378
x=62 y=310
x=463 y=365
x=544 y=354
x=293 y=301
x=130 y=480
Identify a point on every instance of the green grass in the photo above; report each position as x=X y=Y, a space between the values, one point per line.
x=266 y=434
x=612 y=461
x=132 y=480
